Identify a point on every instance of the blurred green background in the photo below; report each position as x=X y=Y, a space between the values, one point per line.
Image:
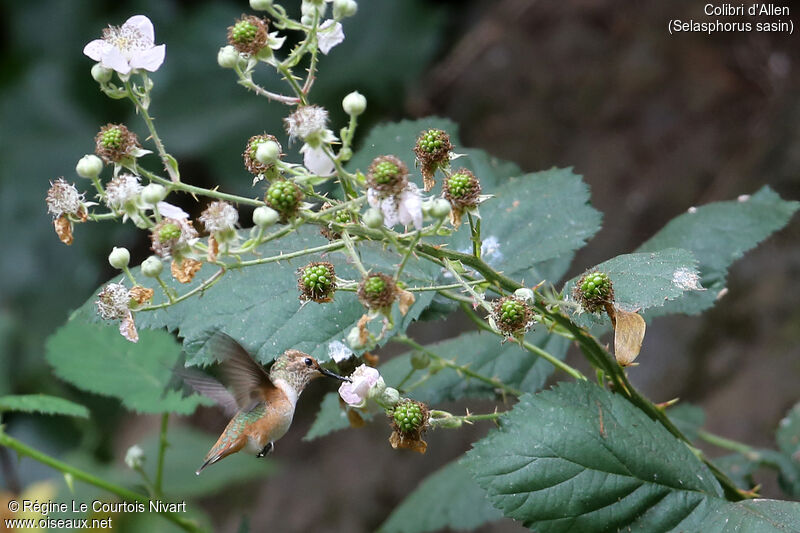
x=654 y=123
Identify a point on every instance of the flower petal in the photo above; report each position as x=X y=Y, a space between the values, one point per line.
x=114 y=59
x=317 y=161
x=168 y=210
x=149 y=59
x=330 y=34
x=141 y=24
x=96 y=49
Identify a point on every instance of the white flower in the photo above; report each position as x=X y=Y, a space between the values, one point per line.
x=306 y=121
x=329 y=34
x=129 y=47
x=121 y=190
x=168 y=210
x=356 y=391
x=63 y=198
x=316 y=160
x=338 y=351
x=404 y=208
x=219 y=216
x=134 y=457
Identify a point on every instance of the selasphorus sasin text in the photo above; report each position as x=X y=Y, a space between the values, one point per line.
x=261 y=404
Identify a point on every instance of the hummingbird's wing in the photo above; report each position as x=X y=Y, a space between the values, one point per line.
x=247 y=379
x=210 y=388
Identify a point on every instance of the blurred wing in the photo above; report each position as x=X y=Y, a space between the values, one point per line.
x=247 y=379
x=210 y=388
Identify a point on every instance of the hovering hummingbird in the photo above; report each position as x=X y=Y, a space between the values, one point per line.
x=261 y=404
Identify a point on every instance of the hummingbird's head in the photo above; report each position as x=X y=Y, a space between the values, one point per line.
x=298 y=368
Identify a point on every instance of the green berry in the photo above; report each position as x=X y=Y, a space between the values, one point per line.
x=112 y=138
x=385 y=172
x=282 y=196
x=168 y=232
x=317 y=278
x=458 y=185
x=408 y=417
x=511 y=310
x=374 y=285
x=430 y=141
x=596 y=286
x=244 y=31
x=343 y=217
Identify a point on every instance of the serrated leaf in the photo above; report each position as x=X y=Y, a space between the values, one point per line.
x=448 y=498
x=96 y=358
x=579 y=458
x=41 y=403
x=645 y=280
x=259 y=305
x=718 y=234
x=480 y=352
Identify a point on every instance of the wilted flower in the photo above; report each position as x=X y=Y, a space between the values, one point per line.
x=248 y=35
x=329 y=35
x=171 y=236
x=114 y=142
x=377 y=291
x=123 y=190
x=113 y=304
x=356 y=391
x=63 y=199
x=404 y=208
x=129 y=47
x=306 y=122
x=219 y=216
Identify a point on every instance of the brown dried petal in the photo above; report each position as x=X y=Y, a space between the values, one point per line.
x=414 y=443
x=213 y=249
x=140 y=294
x=629 y=330
x=127 y=328
x=355 y=419
x=63 y=229
x=405 y=300
x=185 y=270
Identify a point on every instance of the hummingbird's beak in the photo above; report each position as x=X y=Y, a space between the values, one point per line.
x=330 y=374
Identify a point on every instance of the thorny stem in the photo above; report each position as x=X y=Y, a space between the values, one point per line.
x=122 y=492
x=248 y=83
x=200 y=288
x=494 y=382
x=408 y=254
x=162 y=153
x=191 y=189
x=351 y=251
x=475 y=234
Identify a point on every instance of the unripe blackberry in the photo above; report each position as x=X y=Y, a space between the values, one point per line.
x=373 y=218
x=462 y=189
x=169 y=231
x=433 y=151
x=410 y=417
x=317 y=282
x=512 y=315
x=251 y=162
x=594 y=290
x=248 y=35
x=284 y=197
x=342 y=216
x=114 y=142
x=388 y=175
x=377 y=291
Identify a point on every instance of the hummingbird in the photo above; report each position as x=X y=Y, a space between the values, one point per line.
x=260 y=403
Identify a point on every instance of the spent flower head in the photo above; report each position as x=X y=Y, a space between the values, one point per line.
x=377 y=291
x=251 y=162
x=316 y=282
x=594 y=291
x=306 y=122
x=512 y=315
x=63 y=199
x=433 y=151
x=123 y=191
x=248 y=35
x=128 y=47
x=387 y=175
x=113 y=302
x=219 y=216
x=115 y=142
x=171 y=236
x=284 y=197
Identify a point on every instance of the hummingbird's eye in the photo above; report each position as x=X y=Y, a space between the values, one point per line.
x=308 y=361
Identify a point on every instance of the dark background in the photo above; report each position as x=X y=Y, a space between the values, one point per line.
x=655 y=124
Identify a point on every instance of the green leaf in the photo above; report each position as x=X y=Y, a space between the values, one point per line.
x=718 y=234
x=645 y=280
x=480 y=352
x=259 y=305
x=688 y=418
x=41 y=403
x=96 y=358
x=448 y=498
x=788 y=433
x=579 y=458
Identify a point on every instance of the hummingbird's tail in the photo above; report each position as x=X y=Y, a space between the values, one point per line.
x=223 y=448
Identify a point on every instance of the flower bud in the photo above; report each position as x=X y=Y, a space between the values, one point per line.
x=119 y=258
x=153 y=193
x=134 y=457
x=264 y=216
x=354 y=103
x=228 y=57
x=344 y=8
x=354 y=339
x=420 y=360
x=152 y=266
x=260 y=5
x=89 y=166
x=101 y=74
x=376 y=391
x=390 y=397
x=440 y=208
x=268 y=152
x=373 y=218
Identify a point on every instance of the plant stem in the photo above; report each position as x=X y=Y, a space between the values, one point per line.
x=191 y=189
x=351 y=250
x=407 y=255
x=475 y=235
x=122 y=492
x=162 y=448
x=162 y=153
x=200 y=288
x=722 y=442
x=276 y=258
x=494 y=382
